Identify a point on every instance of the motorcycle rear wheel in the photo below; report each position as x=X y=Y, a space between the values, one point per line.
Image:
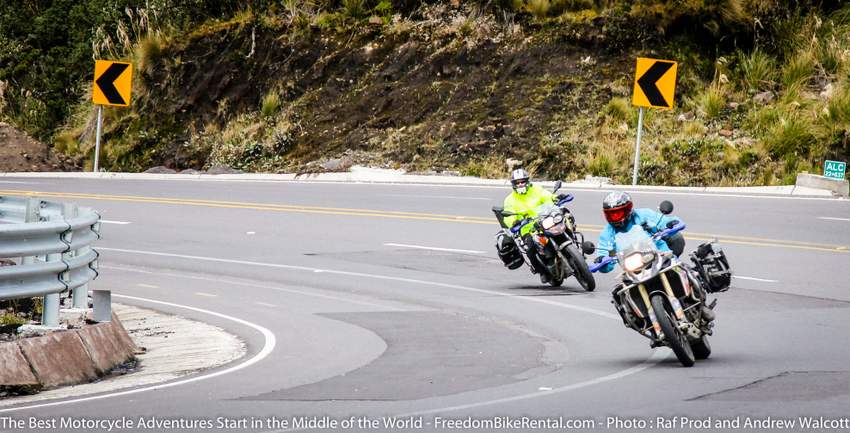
x=673 y=336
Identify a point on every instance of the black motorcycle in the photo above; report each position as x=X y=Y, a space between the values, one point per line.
x=556 y=241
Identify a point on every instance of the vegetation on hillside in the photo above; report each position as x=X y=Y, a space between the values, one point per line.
x=294 y=85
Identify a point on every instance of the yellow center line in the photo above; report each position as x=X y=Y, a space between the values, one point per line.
x=739 y=240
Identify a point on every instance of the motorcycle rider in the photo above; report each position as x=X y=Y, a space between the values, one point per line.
x=523 y=202
x=618 y=210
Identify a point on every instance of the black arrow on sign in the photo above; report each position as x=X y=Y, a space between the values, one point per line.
x=649 y=78
x=106 y=82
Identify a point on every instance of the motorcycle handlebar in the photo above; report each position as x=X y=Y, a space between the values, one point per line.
x=671 y=231
x=605 y=262
x=568 y=198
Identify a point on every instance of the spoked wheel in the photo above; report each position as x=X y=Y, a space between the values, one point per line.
x=582 y=273
x=675 y=338
x=701 y=348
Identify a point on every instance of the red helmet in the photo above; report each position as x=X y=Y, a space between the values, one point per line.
x=617 y=208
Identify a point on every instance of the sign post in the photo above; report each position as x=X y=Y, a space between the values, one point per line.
x=834 y=169
x=655 y=86
x=637 y=146
x=112 y=85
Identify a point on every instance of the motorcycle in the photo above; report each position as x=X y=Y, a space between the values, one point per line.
x=556 y=239
x=661 y=298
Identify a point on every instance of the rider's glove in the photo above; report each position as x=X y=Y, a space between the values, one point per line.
x=672 y=224
x=598 y=259
x=560 y=197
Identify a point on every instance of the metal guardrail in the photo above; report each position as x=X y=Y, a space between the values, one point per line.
x=51 y=244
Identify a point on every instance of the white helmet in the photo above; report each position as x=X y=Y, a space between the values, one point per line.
x=520 y=181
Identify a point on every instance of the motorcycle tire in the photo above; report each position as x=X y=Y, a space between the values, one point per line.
x=556 y=282
x=582 y=272
x=675 y=339
x=701 y=348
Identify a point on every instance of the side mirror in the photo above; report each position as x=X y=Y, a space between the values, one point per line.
x=557 y=186
x=588 y=248
x=666 y=207
x=498 y=209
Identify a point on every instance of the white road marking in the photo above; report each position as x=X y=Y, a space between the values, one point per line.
x=449 y=197
x=147 y=286
x=371 y=276
x=834 y=219
x=208 y=295
x=19 y=182
x=652 y=360
x=268 y=347
x=755 y=279
x=250 y=233
x=123 y=223
x=259 y=286
x=266 y=304
x=420 y=247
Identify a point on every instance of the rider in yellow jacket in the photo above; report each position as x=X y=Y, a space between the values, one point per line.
x=523 y=202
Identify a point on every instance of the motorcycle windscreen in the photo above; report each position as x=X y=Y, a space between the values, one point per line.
x=632 y=241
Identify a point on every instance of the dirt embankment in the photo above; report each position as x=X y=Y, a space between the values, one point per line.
x=449 y=91
x=20 y=152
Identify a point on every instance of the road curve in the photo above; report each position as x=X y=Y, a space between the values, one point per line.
x=387 y=301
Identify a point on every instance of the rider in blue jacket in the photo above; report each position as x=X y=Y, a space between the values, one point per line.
x=618 y=211
x=617 y=207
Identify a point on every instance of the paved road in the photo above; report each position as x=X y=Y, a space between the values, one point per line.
x=368 y=323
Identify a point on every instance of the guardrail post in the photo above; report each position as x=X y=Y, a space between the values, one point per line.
x=50 y=307
x=81 y=294
x=102 y=300
x=50 y=303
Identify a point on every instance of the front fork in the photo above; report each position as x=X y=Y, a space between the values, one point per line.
x=677 y=307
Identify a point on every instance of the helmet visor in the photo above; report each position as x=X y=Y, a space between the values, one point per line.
x=617 y=214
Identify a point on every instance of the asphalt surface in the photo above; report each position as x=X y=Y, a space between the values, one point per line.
x=342 y=327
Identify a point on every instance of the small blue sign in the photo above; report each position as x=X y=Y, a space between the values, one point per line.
x=834 y=169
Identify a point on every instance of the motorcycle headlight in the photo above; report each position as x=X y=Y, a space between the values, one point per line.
x=558 y=218
x=548 y=222
x=634 y=262
x=557 y=229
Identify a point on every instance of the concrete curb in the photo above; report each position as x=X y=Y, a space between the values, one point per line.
x=840 y=187
x=364 y=175
x=65 y=357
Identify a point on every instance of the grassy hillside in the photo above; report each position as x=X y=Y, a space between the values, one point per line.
x=763 y=89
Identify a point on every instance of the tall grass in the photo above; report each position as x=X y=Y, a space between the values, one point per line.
x=757 y=69
x=539 y=8
x=711 y=100
x=799 y=69
x=791 y=137
x=270 y=105
x=617 y=109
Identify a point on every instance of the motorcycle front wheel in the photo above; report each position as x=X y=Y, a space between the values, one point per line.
x=701 y=348
x=582 y=273
x=673 y=336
